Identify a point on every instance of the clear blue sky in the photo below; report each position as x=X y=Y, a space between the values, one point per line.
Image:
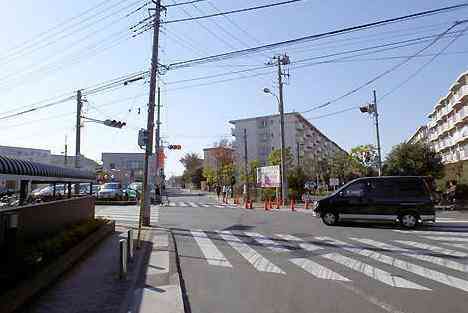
x=197 y=116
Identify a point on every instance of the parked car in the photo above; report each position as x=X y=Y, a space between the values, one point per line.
x=406 y=200
x=112 y=191
x=138 y=187
x=46 y=193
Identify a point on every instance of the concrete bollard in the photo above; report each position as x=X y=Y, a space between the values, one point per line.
x=130 y=240
x=123 y=258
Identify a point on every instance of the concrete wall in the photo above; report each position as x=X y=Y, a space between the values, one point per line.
x=39 y=219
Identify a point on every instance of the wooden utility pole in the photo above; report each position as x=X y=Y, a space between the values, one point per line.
x=246 y=166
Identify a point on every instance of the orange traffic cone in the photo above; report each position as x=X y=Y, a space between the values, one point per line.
x=246 y=204
x=270 y=205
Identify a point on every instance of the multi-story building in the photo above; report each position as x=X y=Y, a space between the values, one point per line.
x=212 y=156
x=263 y=136
x=128 y=167
x=420 y=136
x=448 y=127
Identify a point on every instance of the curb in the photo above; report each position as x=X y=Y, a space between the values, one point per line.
x=14 y=299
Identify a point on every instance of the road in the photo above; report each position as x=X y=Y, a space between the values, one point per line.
x=237 y=260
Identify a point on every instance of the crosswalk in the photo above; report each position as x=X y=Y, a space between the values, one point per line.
x=413 y=262
x=125 y=214
x=200 y=204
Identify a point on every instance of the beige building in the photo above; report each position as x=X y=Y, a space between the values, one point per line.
x=420 y=136
x=448 y=126
x=264 y=136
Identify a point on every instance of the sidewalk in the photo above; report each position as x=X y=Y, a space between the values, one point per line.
x=92 y=285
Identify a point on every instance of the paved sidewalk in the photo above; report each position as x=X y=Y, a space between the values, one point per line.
x=92 y=285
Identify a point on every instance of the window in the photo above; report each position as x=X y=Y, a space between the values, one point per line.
x=382 y=189
x=410 y=189
x=355 y=190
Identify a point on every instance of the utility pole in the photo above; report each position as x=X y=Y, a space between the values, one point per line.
x=298 y=151
x=145 y=205
x=79 y=105
x=65 y=160
x=376 y=117
x=246 y=166
x=282 y=60
x=158 y=145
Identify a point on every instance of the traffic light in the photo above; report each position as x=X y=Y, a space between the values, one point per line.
x=174 y=147
x=114 y=123
x=142 y=137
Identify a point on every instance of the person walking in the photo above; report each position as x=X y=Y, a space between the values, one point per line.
x=218 y=191
x=224 y=193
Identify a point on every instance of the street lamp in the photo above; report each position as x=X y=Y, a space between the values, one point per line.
x=284 y=187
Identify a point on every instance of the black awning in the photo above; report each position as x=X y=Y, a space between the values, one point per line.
x=9 y=166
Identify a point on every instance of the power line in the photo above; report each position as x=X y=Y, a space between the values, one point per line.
x=37 y=108
x=228 y=55
x=333 y=113
x=182 y=3
x=414 y=74
x=391 y=69
x=231 y=12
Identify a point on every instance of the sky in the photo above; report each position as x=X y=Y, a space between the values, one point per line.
x=50 y=51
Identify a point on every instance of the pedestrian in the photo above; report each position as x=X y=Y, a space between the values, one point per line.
x=224 y=193
x=218 y=191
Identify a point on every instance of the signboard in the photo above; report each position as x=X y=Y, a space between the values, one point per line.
x=268 y=176
x=334 y=182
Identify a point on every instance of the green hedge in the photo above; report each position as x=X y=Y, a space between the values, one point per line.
x=35 y=256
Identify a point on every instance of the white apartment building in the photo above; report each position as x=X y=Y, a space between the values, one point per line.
x=263 y=136
x=448 y=127
x=420 y=136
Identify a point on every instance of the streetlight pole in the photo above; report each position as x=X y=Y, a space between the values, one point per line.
x=376 y=117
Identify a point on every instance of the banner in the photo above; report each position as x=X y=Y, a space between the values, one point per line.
x=268 y=176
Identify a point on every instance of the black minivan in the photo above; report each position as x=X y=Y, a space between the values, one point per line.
x=406 y=199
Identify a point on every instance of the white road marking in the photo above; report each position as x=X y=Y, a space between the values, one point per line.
x=456 y=245
x=459 y=239
x=172 y=204
x=183 y=204
x=219 y=206
x=436 y=249
x=412 y=268
x=253 y=257
x=437 y=233
x=205 y=205
x=267 y=242
x=373 y=272
x=302 y=244
x=413 y=254
x=193 y=204
x=212 y=254
x=317 y=270
x=449 y=220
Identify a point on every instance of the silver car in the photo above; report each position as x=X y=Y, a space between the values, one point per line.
x=112 y=191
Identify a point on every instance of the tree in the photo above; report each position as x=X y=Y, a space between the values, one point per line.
x=366 y=159
x=210 y=175
x=296 y=181
x=275 y=157
x=193 y=172
x=417 y=159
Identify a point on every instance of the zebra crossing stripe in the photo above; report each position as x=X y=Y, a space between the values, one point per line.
x=442 y=278
x=373 y=272
x=459 y=239
x=212 y=254
x=205 y=205
x=193 y=204
x=219 y=206
x=172 y=204
x=412 y=254
x=183 y=204
x=457 y=245
x=267 y=242
x=318 y=270
x=253 y=257
x=433 y=248
x=437 y=233
x=302 y=244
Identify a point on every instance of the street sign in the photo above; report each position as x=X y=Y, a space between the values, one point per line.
x=334 y=182
x=268 y=176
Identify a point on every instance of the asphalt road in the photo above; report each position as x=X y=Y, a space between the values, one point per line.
x=235 y=260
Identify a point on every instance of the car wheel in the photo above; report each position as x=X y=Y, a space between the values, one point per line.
x=409 y=220
x=330 y=218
